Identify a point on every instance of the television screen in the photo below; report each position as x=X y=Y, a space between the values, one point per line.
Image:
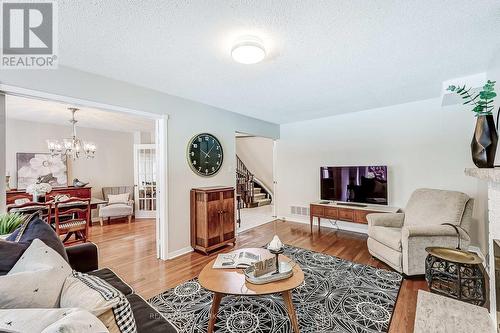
x=364 y=184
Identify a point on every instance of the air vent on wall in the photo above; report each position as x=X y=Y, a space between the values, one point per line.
x=297 y=210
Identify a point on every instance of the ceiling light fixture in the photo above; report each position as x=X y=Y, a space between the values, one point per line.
x=72 y=147
x=248 y=50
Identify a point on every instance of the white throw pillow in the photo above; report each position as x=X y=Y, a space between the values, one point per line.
x=118 y=198
x=98 y=297
x=36 y=280
x=76 y=293
x=50 y=321
x=40 y=256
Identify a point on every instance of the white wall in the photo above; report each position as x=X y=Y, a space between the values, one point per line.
x=257 y=154
x=113 y=164
x=186 y=118
x=423 y=144
x=2 y=152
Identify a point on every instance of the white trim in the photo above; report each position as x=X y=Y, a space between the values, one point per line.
x=17 y=91
x=275 y=182
x=162 y=188
x=180 y=252
x=3 y=152
x=161 y=133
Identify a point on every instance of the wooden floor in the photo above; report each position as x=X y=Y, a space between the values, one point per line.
x=129 y=249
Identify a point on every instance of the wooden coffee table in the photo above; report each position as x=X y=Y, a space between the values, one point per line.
x=224 y=282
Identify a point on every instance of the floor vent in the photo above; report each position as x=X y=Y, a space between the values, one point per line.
x=297 y=210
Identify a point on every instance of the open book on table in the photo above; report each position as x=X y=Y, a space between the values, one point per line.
x=236 y=260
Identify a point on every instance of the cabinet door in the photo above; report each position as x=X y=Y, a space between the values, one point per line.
x=214 y=228
x=227 y=216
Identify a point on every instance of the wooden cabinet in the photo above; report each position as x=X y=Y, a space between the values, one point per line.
x=343 y=213
x=212 y=218
x=77 y=192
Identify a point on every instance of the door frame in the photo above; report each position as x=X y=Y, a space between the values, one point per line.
x=161 y=121
x=274 y=160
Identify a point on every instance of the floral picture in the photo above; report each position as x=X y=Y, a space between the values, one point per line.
x=32 y=167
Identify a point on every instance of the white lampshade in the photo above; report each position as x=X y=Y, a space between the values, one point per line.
x=248 y=50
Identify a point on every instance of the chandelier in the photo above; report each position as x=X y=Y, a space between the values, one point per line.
x=73 y=147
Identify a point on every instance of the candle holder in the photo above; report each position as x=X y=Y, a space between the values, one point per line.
x=7 y=183
x=277 y=254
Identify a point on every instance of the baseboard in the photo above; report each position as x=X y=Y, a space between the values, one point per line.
x=341 y=225
x=178 y=253
x=243 y=229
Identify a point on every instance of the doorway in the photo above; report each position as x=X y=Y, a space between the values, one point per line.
x=255 y=180
x=92 y=117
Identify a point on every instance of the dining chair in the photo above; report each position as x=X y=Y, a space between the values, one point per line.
x=72 y=217
x=30 y=207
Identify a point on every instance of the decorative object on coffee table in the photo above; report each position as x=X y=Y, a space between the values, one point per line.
x=276 y=248
x=485 y=138
x=224 y=282
x=455 y=273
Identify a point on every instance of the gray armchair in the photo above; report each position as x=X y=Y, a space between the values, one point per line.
x=119 y=209
x=400 y=239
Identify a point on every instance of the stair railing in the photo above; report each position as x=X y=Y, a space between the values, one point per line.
x=244 y=183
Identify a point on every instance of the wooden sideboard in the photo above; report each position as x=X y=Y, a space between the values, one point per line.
x=78 y=192
x=345 y=212
x=212 y=218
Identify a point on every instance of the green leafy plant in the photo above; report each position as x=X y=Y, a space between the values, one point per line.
x=10 y=222
x=482 y=101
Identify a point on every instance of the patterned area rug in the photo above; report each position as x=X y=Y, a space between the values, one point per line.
x=336 y=296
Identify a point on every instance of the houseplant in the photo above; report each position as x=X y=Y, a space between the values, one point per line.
x=485 y=139
x=9 y=222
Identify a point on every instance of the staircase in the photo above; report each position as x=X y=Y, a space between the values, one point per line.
x=249 y=193
x=260 y=198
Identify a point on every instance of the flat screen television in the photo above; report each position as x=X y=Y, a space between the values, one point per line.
x=357 y=184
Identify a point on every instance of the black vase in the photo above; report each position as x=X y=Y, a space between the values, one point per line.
x=484 y=142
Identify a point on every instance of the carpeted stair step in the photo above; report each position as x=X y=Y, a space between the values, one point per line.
x=263 y=202
x=257 y=190
x=259 y=196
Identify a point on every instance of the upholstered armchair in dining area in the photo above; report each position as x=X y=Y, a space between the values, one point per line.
x=120 y=203
x=400 y=239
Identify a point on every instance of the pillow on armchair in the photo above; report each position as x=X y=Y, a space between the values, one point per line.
x=118 y=198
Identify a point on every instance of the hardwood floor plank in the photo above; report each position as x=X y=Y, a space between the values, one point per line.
x=130 y=250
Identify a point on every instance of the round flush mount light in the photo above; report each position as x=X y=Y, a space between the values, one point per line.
x=248 y=50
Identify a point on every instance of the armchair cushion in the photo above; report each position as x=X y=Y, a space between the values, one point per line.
x=393 y=220
x=116 y=210
x=431 y=206
x=390 y=237
x=431 y=231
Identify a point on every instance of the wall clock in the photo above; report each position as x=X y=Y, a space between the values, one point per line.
x=205 y=154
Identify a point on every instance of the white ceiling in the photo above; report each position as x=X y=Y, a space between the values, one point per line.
x=57 y=113
x=324 y=57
